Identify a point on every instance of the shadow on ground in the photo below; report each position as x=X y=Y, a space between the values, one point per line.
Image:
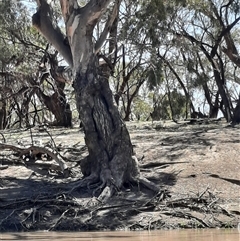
x=233 y=181
x=38 y=204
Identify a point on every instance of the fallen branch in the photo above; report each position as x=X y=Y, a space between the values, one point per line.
x=187 y=216
x=2 y=167
x=32 y=150
x=157 y=164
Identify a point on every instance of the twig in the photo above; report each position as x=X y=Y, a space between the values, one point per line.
x=211 y=203
x=53 y=142
x=4 y=139
x=200 y=196
x=8 y=216
x=58 y=221
x=225 y=211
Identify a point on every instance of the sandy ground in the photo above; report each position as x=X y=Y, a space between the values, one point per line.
x=196 y=166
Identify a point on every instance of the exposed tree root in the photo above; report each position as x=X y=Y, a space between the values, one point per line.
x=105 y=186
x=85 y=182
x=135 y=175
x=107 y=192
x=112 y=177
x=149 y=184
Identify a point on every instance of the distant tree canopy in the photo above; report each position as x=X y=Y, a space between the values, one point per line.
x=194 y=45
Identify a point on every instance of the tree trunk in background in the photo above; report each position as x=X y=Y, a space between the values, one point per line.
x=3 y=114
x=213 y=107
x=236 y=113
x=57 y=105
x=220 y=81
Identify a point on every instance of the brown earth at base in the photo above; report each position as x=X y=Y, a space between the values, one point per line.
x=197 y=167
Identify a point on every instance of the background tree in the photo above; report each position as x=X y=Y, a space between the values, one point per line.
x=197 y=27
x=21 y=83
x=131 y=53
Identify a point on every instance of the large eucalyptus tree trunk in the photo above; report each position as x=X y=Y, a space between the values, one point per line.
x=110 y=161
x=110 y=150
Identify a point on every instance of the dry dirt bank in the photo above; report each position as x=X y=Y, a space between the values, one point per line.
x=196 y=166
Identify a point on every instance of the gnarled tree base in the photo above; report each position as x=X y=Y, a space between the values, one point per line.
x=111 y=180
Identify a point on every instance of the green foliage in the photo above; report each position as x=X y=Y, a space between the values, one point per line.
x=152 y=18
x=170 y=108
x=178 y=102
x=155 y=75
x=19 y=41
x=199 y=80
x=141 y=109
x=235 y=7
x=151 y=13
x=152 y=8
x=147 y=19
x=162 y=110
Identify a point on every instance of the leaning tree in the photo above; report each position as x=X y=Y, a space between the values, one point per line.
x=110 y=161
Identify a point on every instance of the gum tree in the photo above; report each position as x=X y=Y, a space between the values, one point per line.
x=110 y=161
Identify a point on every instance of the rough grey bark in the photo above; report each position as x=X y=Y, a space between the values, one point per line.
x=109 y=145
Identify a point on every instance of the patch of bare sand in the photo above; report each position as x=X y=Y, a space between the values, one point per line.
x=209 y=155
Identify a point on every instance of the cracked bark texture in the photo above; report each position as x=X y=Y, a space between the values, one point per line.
x=110 y=150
